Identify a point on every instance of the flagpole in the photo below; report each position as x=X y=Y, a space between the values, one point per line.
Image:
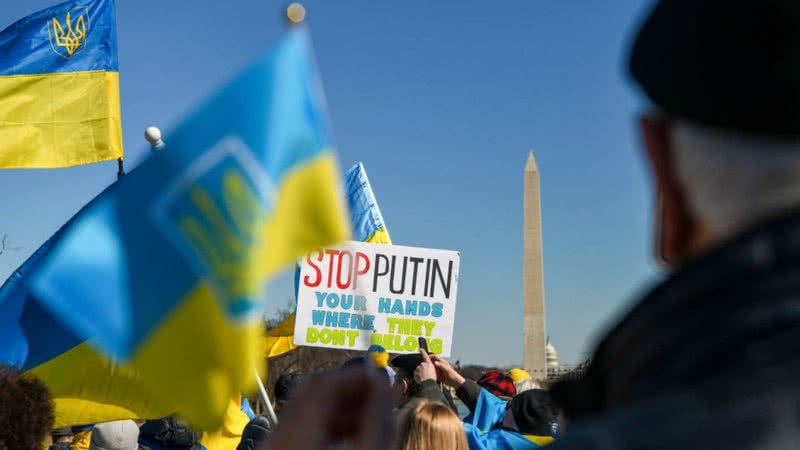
x=120 y=168
x=263 y=392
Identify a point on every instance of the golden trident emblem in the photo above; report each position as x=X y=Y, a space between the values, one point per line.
x=73 y=37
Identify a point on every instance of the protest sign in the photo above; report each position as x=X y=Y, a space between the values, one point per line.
x=358 y=294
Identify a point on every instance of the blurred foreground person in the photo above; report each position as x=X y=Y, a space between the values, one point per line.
x=709 y=358
x=284 y=389
x=168 y=433
x=377 y=358
x=528 y=421
x=255 y=433
x=429 y=425
x=26 y=411
x=345 y=407
x=118 y=435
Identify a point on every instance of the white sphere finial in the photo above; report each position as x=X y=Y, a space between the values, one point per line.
x=153 y=136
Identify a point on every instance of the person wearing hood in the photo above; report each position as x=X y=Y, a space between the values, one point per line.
x=526 y=422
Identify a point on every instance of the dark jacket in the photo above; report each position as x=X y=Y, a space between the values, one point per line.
x=429 y=390
x=708 y=359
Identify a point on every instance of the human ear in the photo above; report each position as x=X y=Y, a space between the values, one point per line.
x=673 y=222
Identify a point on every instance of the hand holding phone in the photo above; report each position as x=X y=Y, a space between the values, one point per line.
x=423 y=344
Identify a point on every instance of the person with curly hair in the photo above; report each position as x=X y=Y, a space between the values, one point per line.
x=26 y=411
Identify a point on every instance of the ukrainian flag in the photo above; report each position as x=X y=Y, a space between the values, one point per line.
x=368 y=226
x=365 y=215
x=59 y=81
x=166 y=270
x=86 y=386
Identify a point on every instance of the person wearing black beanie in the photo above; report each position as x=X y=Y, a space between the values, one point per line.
x=708 y=358
x=255 y=433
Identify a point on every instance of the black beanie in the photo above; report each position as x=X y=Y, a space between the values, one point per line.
x=534 y=412
x=255 y=432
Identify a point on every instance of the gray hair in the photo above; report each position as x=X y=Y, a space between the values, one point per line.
x=735 y=180
x=525 y=385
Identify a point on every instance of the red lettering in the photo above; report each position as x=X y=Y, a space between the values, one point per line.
x=358 y=271
x=349 y=270
x=331 y=253
x=310 y=262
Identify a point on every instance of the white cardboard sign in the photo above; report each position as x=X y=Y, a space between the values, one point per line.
x=357 y=294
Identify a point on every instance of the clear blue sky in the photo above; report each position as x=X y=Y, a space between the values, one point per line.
x=441 y=101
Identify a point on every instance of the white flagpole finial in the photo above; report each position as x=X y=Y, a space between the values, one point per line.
x=153 y=136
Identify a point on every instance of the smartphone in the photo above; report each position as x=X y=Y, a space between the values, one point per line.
x=423 y=344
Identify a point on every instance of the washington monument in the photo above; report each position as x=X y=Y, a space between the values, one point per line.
x=532 y=274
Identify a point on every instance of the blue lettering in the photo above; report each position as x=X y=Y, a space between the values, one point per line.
x=411 y=307
x=317 y=317
x=333 y=300
x=347 y=301
x=360 y=303
x=320 y=298
x=331 y=317
x=356 y=321
x=424 y=309
x=397 y=307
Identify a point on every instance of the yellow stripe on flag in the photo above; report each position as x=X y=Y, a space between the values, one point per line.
x=229 y=435
x=380 y=237
x=59 y=119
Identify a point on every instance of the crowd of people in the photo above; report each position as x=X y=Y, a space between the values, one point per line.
x=707 y=359
x=361 y=405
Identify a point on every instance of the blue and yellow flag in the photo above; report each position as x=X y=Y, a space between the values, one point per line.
x=365 y=215
x=166 y=270
x=86 y=386
x=368 y=226
x=59 y=81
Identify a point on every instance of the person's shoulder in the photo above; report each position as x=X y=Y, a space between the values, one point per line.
x=755 y=419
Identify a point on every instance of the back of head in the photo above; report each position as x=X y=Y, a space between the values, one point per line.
x=284 y=387
x=525 y=385
x=534 y=413
x=429 y=425
x=724 y=136
x=255 y=432
x=167 y=432
x=26 y=411
x=119 y=435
